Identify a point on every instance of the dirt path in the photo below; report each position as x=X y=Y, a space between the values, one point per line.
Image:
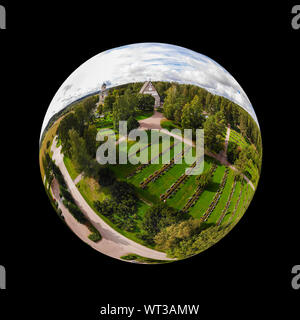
x=113 y=243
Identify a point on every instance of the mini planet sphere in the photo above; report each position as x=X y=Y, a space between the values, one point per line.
x=150 y=152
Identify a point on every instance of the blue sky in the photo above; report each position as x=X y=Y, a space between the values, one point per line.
x=144 y=61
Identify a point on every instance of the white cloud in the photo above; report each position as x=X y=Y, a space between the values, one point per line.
x=144 y=61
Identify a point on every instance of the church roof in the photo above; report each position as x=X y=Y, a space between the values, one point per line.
x=144 y=86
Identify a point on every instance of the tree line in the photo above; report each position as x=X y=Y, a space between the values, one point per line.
x=192 y=107
x=125 y=102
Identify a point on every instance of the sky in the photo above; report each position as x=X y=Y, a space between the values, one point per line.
x=148 y=61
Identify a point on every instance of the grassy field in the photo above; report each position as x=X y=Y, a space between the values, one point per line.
x=237 y=138
x=215 y=215
x=49 y=136
x=168 y=124
x=252 y=173
x=107 y=121
x=186 y=190
x=140 y=259
x=233 y=202
x=167 y=179
x=121 y=171
x=143 y=115
x=71 y=168
x=208 y=194
x=90 y=189
x=242 y=207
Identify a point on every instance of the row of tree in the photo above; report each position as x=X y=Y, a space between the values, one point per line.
x=125 y=103
x=187 y=105
x=78 y=136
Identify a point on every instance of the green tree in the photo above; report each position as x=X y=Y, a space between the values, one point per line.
x=79 y=153
x=132 y=123
x=89 y=136
x=169 y=237
x=145 y=102
x=105 y=176
x=214 y=128
x=123 y=108
x=108 y=103
x=241 y=162
x=69 y=122
x=204 y=179
x=192 y=117
x=158 y=217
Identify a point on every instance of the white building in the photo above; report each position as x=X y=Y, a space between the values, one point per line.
x=148 y=88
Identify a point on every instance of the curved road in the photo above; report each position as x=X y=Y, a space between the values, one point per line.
x=113 y=243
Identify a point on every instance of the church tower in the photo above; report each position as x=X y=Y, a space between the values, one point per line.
x=103 y=93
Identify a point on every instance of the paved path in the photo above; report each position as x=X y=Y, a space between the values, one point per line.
x=226 y=142
x=154 y=123
x=78 y=178
x=113 y=243
x=79 y=229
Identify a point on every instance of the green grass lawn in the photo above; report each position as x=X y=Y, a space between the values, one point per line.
x=208 y=194
x=250 y=194
x=215 y=215
x=242 y=207
x=73 y=172
x=233 y=202
x=168 y=125
x=237 y=138
x=121 y=171
x=186 y=190
x=139 y=177
x=58 y=143
x=135 y=257
x=105 y=131
x=49 y=136
x=167 y=179
x=143 y=115
x=252 y=173
x=142 y=209
x=91 y=190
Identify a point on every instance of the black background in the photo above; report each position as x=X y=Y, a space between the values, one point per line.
x=51 y=271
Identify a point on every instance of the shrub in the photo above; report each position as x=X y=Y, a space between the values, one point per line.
x=95 y=236
x=106 y=176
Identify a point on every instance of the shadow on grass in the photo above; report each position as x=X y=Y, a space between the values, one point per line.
x=213 y=187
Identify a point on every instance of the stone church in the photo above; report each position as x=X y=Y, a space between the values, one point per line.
x=148 y=88
x=103 y=93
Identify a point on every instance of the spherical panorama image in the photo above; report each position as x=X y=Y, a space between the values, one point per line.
x=150 y=152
